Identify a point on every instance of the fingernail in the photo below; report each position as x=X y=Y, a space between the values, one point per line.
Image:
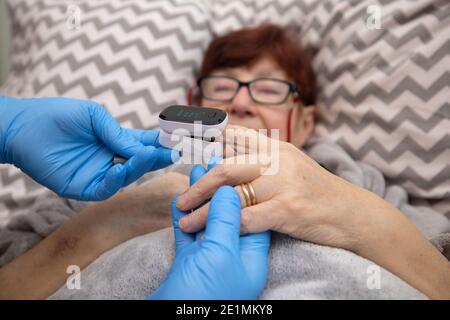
x=182 y=223
x=180 y=203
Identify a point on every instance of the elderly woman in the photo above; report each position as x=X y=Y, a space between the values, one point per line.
x=263 y=80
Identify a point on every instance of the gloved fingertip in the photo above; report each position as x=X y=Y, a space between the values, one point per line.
x=151 y=158
x=163 y=157
x=197 y=172
x=113 y=180
x=227 y=194
x=146 y=137
x=175 y=156
x=225 y=198
x=214 y=161
x=182 y=239
x=176 y=213
x=115 y=177
x=224 y=218
x=144 y=156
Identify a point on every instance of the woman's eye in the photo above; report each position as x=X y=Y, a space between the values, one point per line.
x=267 y=91
x=223 y=89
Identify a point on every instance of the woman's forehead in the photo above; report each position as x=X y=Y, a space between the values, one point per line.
x=262 y=68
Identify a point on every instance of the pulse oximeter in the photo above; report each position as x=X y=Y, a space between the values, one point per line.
x=177 y=122
x=191 y=129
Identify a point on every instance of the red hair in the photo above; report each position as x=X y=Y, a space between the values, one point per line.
x=246 y=46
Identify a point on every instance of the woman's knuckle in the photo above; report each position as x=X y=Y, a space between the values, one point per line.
x=197 y=190
x=246 y=222
x=222 y=172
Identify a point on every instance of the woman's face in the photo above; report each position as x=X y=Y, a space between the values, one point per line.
x=243 y=111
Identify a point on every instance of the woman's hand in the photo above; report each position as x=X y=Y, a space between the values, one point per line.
x=307 y=202
x=302 y=199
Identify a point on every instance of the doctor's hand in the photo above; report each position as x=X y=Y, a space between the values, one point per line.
x=68 y=146
x=219 y=263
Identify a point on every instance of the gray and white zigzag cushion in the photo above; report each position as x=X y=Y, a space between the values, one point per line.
x=384 y=93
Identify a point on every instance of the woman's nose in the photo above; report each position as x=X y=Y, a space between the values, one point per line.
x=242 y=105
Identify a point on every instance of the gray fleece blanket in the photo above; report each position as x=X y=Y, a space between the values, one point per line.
x=298 y=269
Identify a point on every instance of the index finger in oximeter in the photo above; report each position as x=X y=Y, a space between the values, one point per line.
x=178 y=122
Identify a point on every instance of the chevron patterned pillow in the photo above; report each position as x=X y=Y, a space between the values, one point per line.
x=385 y=90
x=385 y=93
x=135 y=57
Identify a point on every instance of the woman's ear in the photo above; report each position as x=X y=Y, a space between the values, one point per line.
x=302 y=124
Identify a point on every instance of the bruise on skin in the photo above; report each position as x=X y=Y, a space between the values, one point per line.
x=65 y=245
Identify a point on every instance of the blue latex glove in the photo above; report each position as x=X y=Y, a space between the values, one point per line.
x=223 y=265
x=68 y=145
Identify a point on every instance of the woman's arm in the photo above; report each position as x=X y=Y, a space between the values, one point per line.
x=392 y=241
x=315 y=205
x=42 y=270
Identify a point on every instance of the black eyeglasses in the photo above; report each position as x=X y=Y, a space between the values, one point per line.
x=264 y=91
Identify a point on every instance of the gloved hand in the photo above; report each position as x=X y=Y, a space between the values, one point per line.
x=223 y=265
x=68 y=146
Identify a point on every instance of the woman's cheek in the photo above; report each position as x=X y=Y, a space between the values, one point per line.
x=270 y=119
x=276 y=123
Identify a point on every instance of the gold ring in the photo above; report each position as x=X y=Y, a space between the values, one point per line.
x=249 y=194
x=252 y=194
x=246 y=195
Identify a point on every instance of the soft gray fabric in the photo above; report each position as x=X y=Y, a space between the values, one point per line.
x=298 y=270
x=29 y=227
x=46 y=213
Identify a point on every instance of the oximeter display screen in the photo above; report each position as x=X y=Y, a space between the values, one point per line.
x=191 y=114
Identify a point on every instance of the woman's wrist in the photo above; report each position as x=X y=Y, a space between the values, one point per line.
x=347 y=213
x=136 y=211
